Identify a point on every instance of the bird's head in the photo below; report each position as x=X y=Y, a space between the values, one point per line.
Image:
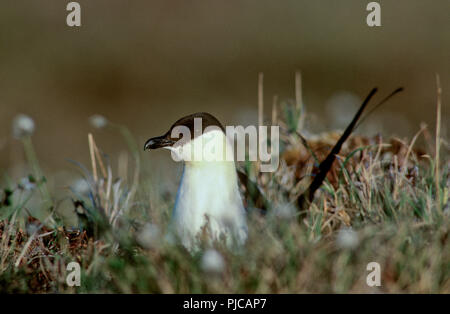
x=184 y=135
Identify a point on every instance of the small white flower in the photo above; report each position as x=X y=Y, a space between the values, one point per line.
x=23 y=125
x=285 y=211
x=212 y=262
x=31 y=228
x=148 y=237
x=98 y=121
x=80 y=186
x=26 y=184
x=387 y=157
x=347 y=239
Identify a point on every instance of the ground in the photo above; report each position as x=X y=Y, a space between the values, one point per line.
x=384 y=201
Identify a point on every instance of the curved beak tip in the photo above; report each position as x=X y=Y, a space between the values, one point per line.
x=157 y=142
x=149 y=144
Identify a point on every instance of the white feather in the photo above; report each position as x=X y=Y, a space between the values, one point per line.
x=208 y=194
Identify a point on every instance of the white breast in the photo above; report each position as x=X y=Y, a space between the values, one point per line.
x=208 y=196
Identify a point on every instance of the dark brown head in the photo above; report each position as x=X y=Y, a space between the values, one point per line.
x=166 y=140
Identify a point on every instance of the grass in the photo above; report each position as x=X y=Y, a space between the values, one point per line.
x=384 y=201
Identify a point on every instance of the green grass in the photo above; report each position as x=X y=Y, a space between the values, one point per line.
x=385 y=192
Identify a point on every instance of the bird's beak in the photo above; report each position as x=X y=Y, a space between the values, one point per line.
x=158 y=142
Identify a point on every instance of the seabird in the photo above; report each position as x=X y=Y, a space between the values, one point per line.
x=208 y=195
x=208 y=198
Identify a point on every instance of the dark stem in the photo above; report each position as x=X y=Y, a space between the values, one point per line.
x=307 y=197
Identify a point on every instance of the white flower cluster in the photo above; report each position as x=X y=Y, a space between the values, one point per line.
x=347 y=239
x=26 y=184
x=22 y=126
x=98 y=121
x=212 y=262
x=149 y=236
x=80 y=186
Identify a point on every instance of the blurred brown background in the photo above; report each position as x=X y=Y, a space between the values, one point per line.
x=144 y=64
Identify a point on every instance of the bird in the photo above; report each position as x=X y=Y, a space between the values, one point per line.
x=208 y=194
x=208 y=197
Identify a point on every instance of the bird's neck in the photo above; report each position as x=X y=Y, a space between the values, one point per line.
x=209 y=184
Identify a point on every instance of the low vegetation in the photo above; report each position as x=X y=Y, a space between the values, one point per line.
x=384 y=201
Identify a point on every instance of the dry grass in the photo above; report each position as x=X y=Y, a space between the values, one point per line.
x=380 y=204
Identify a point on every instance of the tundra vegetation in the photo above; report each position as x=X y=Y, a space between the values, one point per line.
x=385 y=200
